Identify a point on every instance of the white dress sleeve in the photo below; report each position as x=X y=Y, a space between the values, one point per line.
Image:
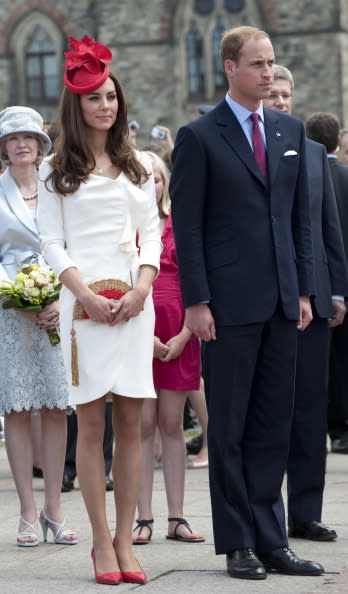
x=148 y=220
x=51 y=224
x=3 y=273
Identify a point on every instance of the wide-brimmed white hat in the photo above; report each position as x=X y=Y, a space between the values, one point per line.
x=16 y=119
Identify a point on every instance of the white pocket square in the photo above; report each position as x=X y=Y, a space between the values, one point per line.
x=289 y=153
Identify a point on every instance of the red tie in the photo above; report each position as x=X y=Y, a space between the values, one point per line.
x=259 y=146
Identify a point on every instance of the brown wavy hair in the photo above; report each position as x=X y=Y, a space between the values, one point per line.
x=73 y=159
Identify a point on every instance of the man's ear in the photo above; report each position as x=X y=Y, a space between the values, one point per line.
x=230 y=67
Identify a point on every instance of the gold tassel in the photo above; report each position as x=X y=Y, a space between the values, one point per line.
x=75 y=379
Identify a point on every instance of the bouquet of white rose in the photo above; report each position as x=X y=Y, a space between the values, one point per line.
x=33 y=288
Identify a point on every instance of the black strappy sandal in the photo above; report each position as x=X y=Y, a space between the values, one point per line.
x=143 y=524
x=183 y=522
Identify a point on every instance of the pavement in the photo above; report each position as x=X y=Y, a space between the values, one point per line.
x=171 y=566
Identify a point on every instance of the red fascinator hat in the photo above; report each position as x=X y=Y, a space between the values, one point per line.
x=86 y=65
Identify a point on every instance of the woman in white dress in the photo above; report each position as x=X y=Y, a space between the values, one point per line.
x=32 y=371
x=96 y=192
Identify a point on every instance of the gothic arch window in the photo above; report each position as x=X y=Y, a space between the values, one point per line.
x=219 y=77
x=234 y=5
x=204 y=7
x=41 y=68
x=36 y=44
x=198 y=28
x=195 y=61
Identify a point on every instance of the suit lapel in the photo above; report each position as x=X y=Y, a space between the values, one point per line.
x=16 y=202
x=234 y=135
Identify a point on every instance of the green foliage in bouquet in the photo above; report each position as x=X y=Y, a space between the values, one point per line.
x=33 y=288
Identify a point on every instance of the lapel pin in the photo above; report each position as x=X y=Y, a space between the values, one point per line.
x=278 y=133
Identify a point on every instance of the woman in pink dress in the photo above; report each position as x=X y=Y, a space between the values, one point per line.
x=176 y=368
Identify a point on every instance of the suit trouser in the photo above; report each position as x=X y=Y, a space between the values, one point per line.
x=307 y=455
x=338 y=381
x=249 y=374
x=70 y=455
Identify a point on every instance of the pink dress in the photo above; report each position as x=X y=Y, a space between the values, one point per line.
x=183 y=373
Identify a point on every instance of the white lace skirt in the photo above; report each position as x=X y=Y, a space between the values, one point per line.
x=32 y=371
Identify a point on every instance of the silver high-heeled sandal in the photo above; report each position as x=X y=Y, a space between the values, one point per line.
x=57 y=529
x=29 y=532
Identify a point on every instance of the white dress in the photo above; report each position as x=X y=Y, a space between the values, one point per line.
x=98 y=225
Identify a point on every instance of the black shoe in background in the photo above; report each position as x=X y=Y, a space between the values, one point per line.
x=37 y=472
x=109 y=483
x=312 y=531
x=194 y=446
x=67 y=484
x=340 y=445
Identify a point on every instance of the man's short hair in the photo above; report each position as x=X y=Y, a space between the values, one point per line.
x=323 y=127
x=233 y=40
x=283 y=73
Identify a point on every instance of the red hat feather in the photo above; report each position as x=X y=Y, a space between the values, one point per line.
x=86 y=64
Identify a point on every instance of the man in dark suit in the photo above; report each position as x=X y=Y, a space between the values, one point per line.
x=243 y=238
x=324 y=128
x=307 y=455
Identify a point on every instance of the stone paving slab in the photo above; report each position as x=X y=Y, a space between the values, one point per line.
x=172 y=567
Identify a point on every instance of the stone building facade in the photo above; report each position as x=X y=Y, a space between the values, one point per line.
x=166 y=51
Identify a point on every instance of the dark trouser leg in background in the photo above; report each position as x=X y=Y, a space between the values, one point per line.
x=307 y=456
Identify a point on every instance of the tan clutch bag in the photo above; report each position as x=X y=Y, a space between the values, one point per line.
x=110 y=288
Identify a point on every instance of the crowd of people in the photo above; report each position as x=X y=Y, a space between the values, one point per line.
x=213 y=272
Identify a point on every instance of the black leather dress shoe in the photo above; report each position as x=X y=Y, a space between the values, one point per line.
x=340 y=445
x=67 y=484
x=109 y=483
x=312 y=531
x=37 y=472
x=286 y=561
x=194 y=446
x=243 y=563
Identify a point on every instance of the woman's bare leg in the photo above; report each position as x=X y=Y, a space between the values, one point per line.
x=35 y=421
x=148 y=430
x=198 y=403
x=91 y=476
x=170 y=419
x=20 y=456
x=127 y=470
x=53 y=447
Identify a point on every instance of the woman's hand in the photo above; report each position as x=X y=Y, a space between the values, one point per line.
x=176 y=345
x=29 y=315
x=98 y=308
x=48 y=318
x=159 y=348
x=129 y=306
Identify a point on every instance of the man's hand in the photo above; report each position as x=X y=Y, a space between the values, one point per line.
x=306 y=315
x=200 y=321
x=340 y=311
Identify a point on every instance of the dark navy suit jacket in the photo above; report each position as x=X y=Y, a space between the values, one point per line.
x=339 y=174
x=329 y=258
x=242 y=246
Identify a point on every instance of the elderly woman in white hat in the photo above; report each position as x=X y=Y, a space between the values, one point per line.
x=34 y=380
